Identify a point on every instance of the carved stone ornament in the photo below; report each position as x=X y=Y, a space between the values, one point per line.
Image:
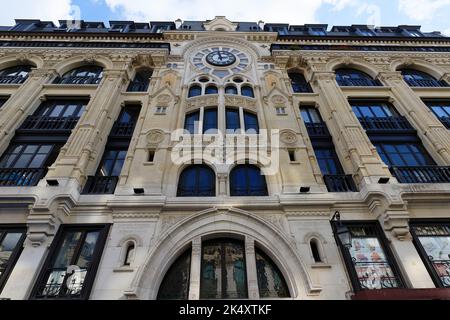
x=164 y=99
x=278 y=99
x=155 y=137
x=288 y=137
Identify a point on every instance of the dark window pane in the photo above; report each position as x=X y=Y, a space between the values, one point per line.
x=175 y=285
x=197 y=181
x=233 y=120
x=192 y=122
x=271 y=282
x=210 y=121
x=247 y=91
x=247 y=180
x=211 y=90
x=195 y=91
x=251 y=123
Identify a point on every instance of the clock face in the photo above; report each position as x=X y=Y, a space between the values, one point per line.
x=221 y=58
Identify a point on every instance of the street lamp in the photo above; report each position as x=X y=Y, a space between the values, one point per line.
x=342 y=232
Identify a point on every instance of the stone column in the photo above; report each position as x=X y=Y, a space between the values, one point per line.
x=350 y=139
x=221 y=111
x=42 y=226
x=430 y=129
x=196 y=265
x=19 y=105
x=252 y=276
x=92 y=131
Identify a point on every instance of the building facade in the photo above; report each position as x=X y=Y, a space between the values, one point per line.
x=94 y=205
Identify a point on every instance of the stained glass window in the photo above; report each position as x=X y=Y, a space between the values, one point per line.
x=434 y=244
x=271 y=282
x=11 y=241
x=368 y=260
x=223 y=273
x=175 y=285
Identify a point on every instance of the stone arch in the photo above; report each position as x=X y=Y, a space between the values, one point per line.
x=353 y=63
x=419 y=65
x=179 y=237
x=79 y=61
x=11 y=61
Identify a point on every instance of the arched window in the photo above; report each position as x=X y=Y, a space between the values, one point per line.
x=82 y=75
x=231 y=90
x=355 y=78
x=211 y=89
x=197 y=181
x=299 y=83
x=247 y=91
x=247 y=180
x=195 y=91
x=314 y=245
x=415 y=78
x=129 y=254
x=17 y=74
x=271 y=282
x=251 y=122
x=175 y=285
x=141 y=81
x=224 y=274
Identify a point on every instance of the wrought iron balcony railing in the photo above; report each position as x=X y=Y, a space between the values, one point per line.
x=317 y=129
x=425 y=174
x=445 y=121
x=426 y=83
x=301 y=87
x=358 y=83
x=123 y=130
x=12 y=79
x=49 y=123
x=339 y=183
x=25 y=177
x=390 y=123
x=78 y=80
x=100 y=185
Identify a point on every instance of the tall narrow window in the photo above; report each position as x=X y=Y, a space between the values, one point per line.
x=141 y=81
x=175 y=285
x=299 y=83
x=247 y=180
x=271 y=282
x=314 y=245
x=223 y=274
x=210 y=121
x=328 y=161
x=191 y=122
x=369 y=260
x=70 y=269
x=251 y=122
x=433 y=241
x=11 y=242
x=129 y=254
x=197 y=181
x=233 y=119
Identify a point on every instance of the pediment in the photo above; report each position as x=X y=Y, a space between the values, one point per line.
x=220 y=23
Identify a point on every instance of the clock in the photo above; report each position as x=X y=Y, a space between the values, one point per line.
x=220 y=61
x=221 y=58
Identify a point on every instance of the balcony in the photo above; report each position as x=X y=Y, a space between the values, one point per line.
x=358 y=83
x=12 y=79
x=50 y=123
x=21 y=177
x=317 y=129
x=339 y=183
x=100 y=185
x=426 y=174
x=427 y=83
x=123 y=130
x=78 y=80
x=386 y=124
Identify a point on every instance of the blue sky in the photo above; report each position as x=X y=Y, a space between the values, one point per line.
x=431 y=14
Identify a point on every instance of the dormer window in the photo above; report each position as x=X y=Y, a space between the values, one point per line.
x=414 y=33
x=366 y=32
x=318 y=32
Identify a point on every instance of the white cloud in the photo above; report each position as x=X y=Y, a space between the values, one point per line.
x=422 y=10
x=52 y=10
x=290 y=11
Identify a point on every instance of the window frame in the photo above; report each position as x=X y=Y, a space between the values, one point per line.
x=54 y=250
x=198 y=176
x=248 y=191
x=12 y=261
x=384 y=243
x=421 y=250
x=428 y=158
